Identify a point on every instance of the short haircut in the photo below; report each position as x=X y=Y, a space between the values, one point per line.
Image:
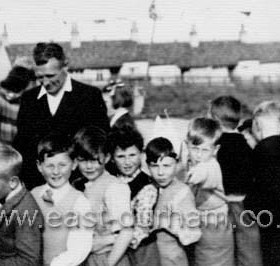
x=158 y=148
x=43 y=52
x=227 y=110
x=121 y=94
x=53 y=144
x=124 y=138
x=269 y=109
x=89 y=141
x=202 y=128
x=11 y=159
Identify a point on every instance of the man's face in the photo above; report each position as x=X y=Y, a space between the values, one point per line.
x=128 y=161
x=51 y=75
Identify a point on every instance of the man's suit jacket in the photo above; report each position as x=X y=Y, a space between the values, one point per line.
x=81 y=107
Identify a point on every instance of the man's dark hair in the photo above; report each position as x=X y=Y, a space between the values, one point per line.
x=43 y=52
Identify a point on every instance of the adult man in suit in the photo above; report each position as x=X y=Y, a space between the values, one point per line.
x=58 y=104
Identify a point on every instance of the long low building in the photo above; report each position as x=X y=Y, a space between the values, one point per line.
x=112 y=54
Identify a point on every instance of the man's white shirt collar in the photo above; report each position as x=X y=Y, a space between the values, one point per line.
x=67 y=86
x=54 y=100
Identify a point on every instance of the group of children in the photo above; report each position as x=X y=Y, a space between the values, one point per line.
x=117 y=214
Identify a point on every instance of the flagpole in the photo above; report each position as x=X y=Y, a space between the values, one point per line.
x=153 y=16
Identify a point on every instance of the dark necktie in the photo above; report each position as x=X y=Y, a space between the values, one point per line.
x=47 y=196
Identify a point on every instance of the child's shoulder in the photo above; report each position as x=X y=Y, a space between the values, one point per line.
x=28 y=203
x=179 y=186
x=37 y=190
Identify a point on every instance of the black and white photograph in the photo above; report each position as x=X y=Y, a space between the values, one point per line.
x=139 y=133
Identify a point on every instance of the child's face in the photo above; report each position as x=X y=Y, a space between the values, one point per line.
x=92 y=169
x=163 y=171
x=57 y=169
x=128 y=161
x=202 y=152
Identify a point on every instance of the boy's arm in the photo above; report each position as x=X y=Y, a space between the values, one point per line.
x=146 y=200
x=79 y=241
x=120 y=246
x=197 y=174
x=28 y=242
x=185 y=217
x=118 y=203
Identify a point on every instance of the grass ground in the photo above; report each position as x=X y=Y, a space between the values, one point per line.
x=187 y=101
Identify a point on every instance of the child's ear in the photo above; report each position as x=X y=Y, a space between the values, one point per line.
x=217 y=147
x=107 y=158
x=75 y=164
x=13 y=182
x=39 y=166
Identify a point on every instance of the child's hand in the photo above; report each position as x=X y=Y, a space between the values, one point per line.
x=102 y=244
x=197 y=174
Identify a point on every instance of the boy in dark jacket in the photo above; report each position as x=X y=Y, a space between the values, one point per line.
x=235 y=159
x=264 y=201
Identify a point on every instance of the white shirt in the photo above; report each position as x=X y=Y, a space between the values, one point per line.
x=54 y=100
x=79 y=241
x=120 y=112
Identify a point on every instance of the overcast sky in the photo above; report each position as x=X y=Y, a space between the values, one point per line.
x=43 y=20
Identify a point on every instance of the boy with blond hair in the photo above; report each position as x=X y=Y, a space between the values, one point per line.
x=215 y=247
x=20 y=235
x=265 y=199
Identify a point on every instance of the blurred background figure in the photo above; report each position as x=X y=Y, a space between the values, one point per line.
x=118 y=98
x=11 y=89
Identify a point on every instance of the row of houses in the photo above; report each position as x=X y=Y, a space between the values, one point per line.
x=219 y=62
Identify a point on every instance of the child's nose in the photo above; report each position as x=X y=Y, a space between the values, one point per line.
x=56 y=170
x=127 y=160
x=89 y=164
x=199 y=153
x=160 y=171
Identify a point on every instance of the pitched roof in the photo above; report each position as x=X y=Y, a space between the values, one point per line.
x=109 y=54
